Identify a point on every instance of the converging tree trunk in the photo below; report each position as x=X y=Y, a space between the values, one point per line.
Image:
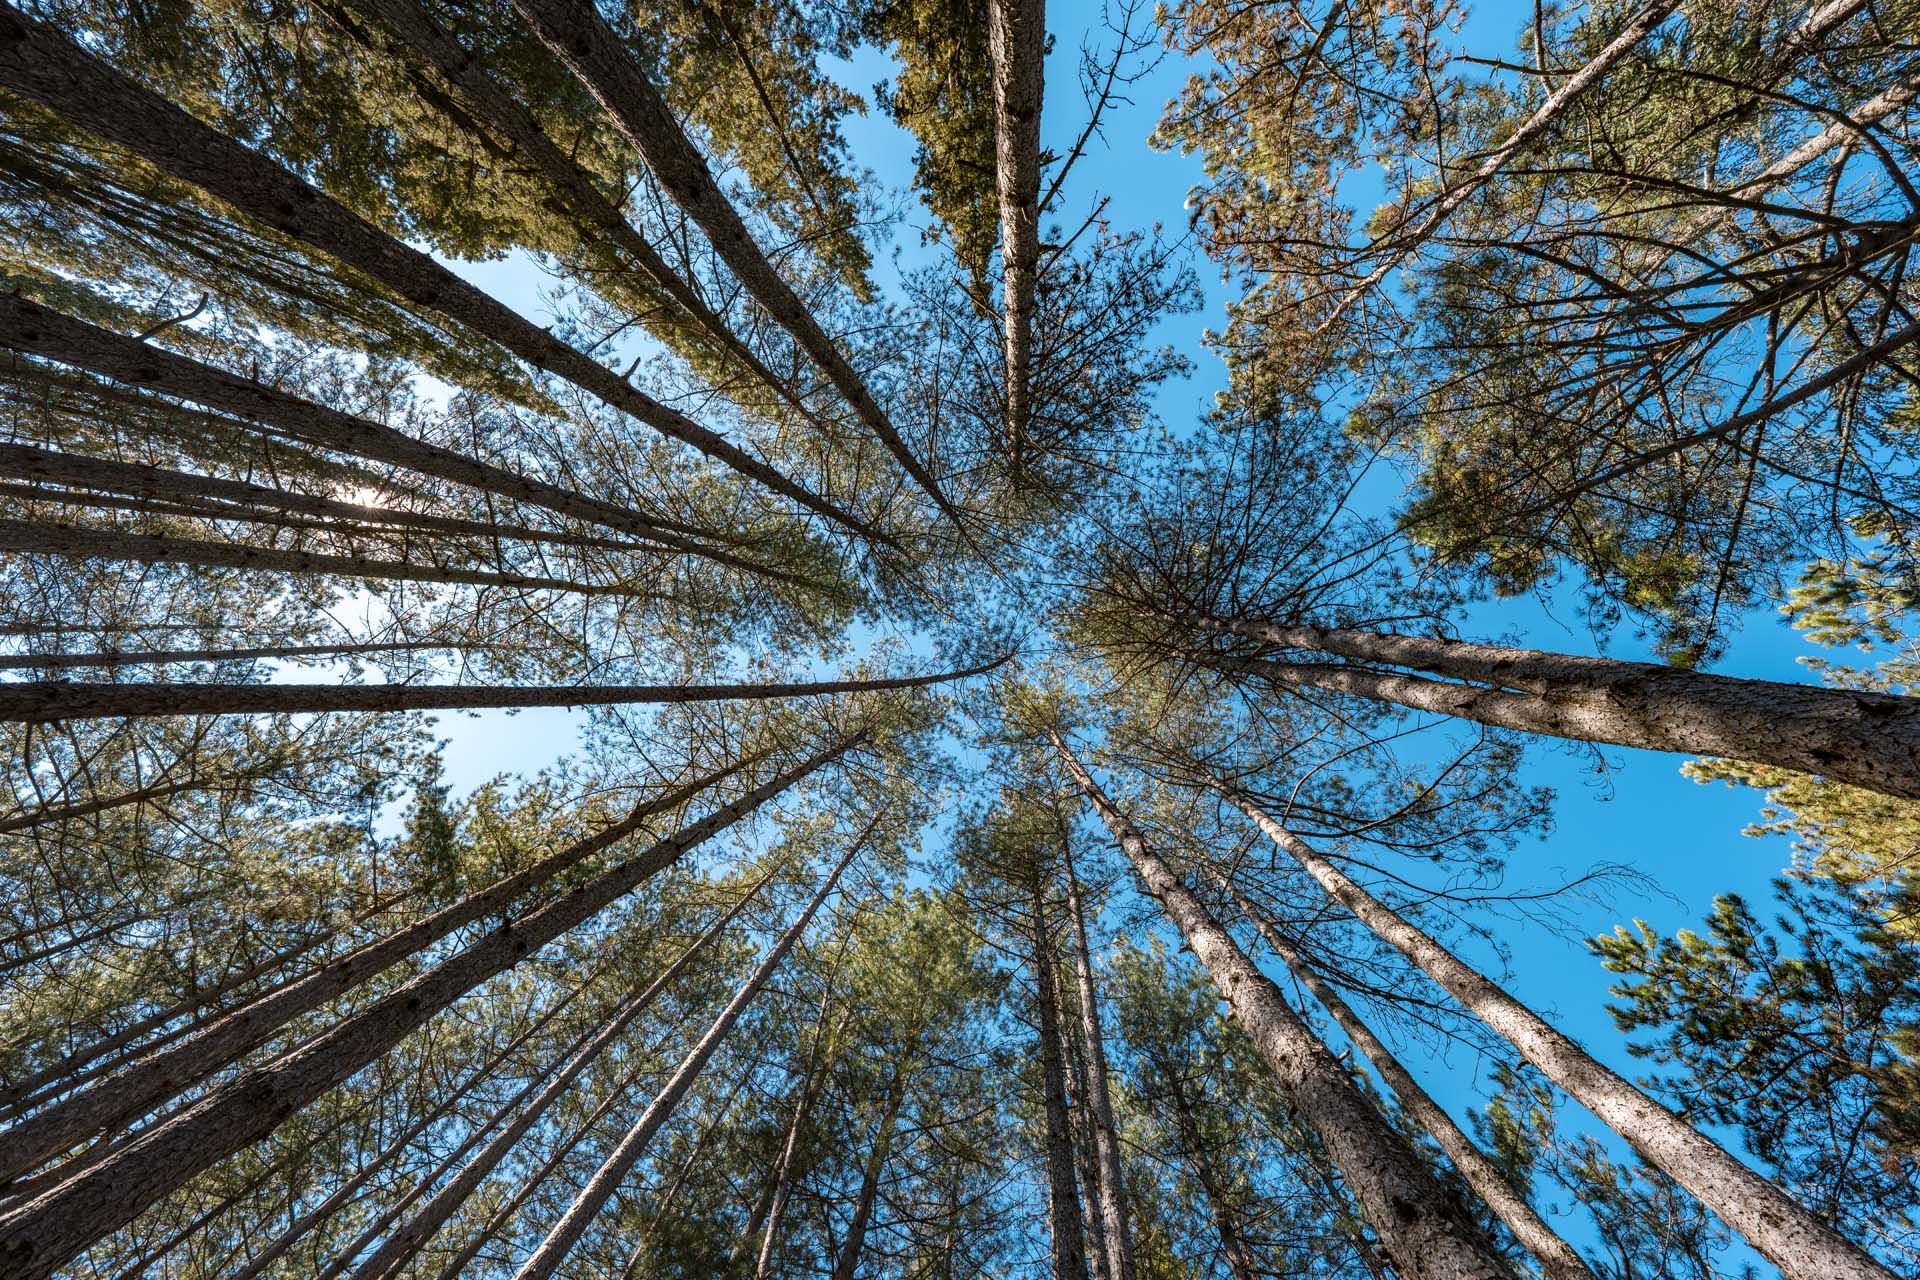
x=38 y=1237
x=853 y=1245
x=1233 y=1245
x=1113 y=1180
x=1786 y=1234
x=1556 y=1257
x=1869 y=740
x=1063 y=1197
x=1017 y=41
x=1426 y=1233
x=606 y=1180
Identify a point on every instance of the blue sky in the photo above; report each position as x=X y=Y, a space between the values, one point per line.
x=1641 y=812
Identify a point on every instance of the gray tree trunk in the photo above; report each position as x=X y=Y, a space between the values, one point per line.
x=42 y=701
x=1556 y=1257
x=1869 y=740
x=1063 y=1197
x=600 y=61
x=1782 y=1231
x=1425 y=1232
x=1017 y=44
x=847 y=1259
x=606 y=1180
x=1113 y=1180
x=40 y=64
x=40 y=1236
x=159 y=1076
x=186 y=657
x=1233 y=1245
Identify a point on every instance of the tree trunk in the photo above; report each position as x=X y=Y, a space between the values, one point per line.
x=40 y=64
x=581 y=39
x=38 y=1237
x=1017 y=45
x=606 y=1180
x=122 y=1098
x=1869 y=740
x=1093 y=1228
x=1113 y=1181
x=1784 y=1233
x=183 y=657
x=1233 y=1246
x=239 y=498
x=1556 y=1257
x=812 y=1078
x=847 y=1261
x=41 y=701
x=1425 y=1232
x=80 y=543
x=402 y=1245
x=1063 y=1197
x=418 y=37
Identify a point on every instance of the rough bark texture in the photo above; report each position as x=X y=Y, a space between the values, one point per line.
x=184 y=657
x=606 y=1180
x=42 y=701
x=40 y=64
x=1424 y=1231
x=395 y=1251
x=81 y=543
x=38 y=1237
x=1869 y=740
x=1782 y=1231
x=1017 y=42
x=1556 y=1257
x=1063 y=1197
x=581 y=38
x=1106 y=1136
x=159 y=1076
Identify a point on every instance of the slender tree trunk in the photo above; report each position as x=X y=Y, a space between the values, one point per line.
x=184 y=657
x=418 y=37
x=48 y=466
x=40 y=701
x=847 y=1260
x=1093 y=1228
x=1556 y=1257
x=38 y=1237
x=1425 y=1232
x=159 y=1076
x=606 y=1180
x=1113 y=1180
x=1782 y=1231
x=40 y=64
x=1869 y=740
x=403 y=1244
x=812 y=1078
x=1233 y=1245
x=1017 y=44
x=80 y=543
x=1063 y=1198
x=599 y=59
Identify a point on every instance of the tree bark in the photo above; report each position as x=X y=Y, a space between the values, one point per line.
x=813 y=1077
x=1783 y=1232
x=184 y=657
x=159 y=1076
x=402 y=1245
x=1017 y=46
x=600 y=61
x=1113 y=1182
x=613 y=1170
x=1556 y=1257
x=38 y=1237
x=847 y=1261
x=40 y=64
x=1869 y=740
x=1063 y=1197
x=80 y=543
x=40 y=701
x=1425 y=1232
x=1233 y=1246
